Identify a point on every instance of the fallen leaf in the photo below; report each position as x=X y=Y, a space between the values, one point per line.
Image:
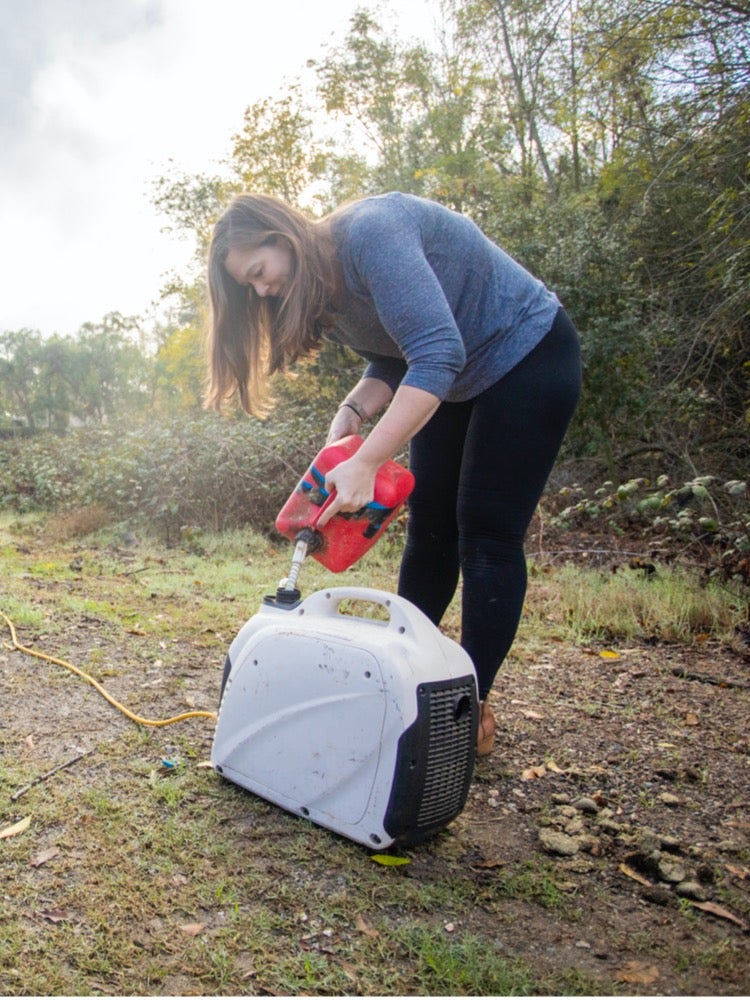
x=492 y=863
x=552 y=766
x=719 y=911
x=349 y=970
x=193 y=930
x=44 y=857
x=637 y=972
x=29 y=741
x=530 y=714
x=245 y=965
x=532 y=773
x=626 y=870
x=55 y=916
x=364 y=927
x=691 y=719
x=205 y=763
x=609 y=654
x=13 y=831
x=390 y=860
x=742 y=873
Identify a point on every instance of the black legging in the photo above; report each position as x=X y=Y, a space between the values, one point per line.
x=480 y=469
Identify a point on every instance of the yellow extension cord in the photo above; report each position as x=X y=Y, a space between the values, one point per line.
x=69 y=666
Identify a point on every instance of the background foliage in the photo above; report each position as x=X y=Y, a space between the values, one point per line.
x=604 y=144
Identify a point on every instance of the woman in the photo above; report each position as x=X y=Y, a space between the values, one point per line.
x=472 y=361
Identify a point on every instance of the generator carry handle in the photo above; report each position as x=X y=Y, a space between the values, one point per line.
x=403 y=615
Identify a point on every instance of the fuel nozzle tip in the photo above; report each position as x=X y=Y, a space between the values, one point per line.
x=312 y=538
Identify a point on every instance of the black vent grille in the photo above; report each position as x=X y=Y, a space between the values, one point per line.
x=449 y=757
x=435 y=761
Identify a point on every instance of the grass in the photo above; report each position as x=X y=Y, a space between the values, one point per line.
x=674 y=604
x=463 y=965
x=138 y=878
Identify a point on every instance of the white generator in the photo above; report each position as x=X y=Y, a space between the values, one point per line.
x=365 y=724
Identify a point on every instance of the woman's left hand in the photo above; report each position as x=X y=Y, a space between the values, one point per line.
x=345 y=422
x=354 y=479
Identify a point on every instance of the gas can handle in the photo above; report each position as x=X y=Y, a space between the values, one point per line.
x=324 y=506
x=370 y=505
x=402 y=614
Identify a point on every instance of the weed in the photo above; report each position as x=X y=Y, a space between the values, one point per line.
x=646 y=798
x=574 y=982
x=533 y=882
x=462 y=965
x=587 y=606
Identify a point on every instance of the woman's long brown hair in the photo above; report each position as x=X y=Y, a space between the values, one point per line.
x=250 y=337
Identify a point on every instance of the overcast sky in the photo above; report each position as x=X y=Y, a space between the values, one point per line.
x=96 y=98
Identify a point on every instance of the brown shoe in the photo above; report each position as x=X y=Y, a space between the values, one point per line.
x=487 y=726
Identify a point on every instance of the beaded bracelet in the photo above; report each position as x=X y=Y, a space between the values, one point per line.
x=356 y=407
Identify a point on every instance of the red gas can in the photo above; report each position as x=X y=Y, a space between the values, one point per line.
x=346 y=537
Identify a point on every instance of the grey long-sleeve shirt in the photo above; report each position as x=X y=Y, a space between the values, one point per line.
x=430 y=301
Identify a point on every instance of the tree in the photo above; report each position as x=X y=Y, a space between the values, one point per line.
x=91 y=377
x=111 y=374
x=275 y=153
x=179 y=370
x=376 y=87
x=680 y=187
x=19 y=373
x=191 y=203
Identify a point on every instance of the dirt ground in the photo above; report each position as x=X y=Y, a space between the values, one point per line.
x=644 y=772
x=620 y=779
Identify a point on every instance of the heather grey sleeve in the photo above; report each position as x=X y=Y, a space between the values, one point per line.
x=388 y=370
x=390 y=266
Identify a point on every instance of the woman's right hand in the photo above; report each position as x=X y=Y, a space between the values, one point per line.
x=352 y=483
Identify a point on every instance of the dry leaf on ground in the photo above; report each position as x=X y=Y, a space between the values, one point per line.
x=626 y=870
x=637 y=972
x=192 y=930
x=45 y=856
x=364 y=927
x=13 y=831
x=719 y=911
x=532 y=773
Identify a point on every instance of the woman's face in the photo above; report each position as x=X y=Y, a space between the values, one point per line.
x=267 y=268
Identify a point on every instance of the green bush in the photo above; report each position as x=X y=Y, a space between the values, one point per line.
x=700 y=515
x=207 y=472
